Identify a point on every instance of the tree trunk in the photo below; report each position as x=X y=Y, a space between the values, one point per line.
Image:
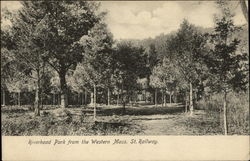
x=186 y=102
x=129 y=98
x=155 y=97
x=41 y=100
x=191 y=99
x=82 y=99
x=54 y=99
x=92 y=98
x=18 y=98
x=164 y=99
x=37 y=104
x=108 y=96
x=152 y=99
x=225 y=113
x=86 y=97
x=59 y=99
x=63 y=87
x=175 y=95
x=118 y=92
x=94 y=102
x=3 y=97
x=37 y=96
x=123 y=100
x=79 y=99
x=170 y=99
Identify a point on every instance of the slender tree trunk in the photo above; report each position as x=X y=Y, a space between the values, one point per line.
x=145 y=96
x=92 y=98
x=152 y=98
x=123 y=100
x=54 y=99
x=63 y=87
x=40 y=100
x=191 y=99
x=108 y=96
x=82 y=98
x=164 y=99
x=79 y=99
x=37 y=96
x=191 y=106
x=225 y=113
x=18 y=98
x=94 y=102
x=37 y=108
x=59 y=99
x=186 y=102
x=135 y=97
x=170 y=99
x=118 y=92
x=129 y=98
x=86 y=97
x=175 y=96
x=3 y=97
x=15 y=98
x=155 y=97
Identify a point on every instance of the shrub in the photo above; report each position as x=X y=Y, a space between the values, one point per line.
x=237 y=111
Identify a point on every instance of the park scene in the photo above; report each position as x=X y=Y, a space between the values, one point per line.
x=124 y=68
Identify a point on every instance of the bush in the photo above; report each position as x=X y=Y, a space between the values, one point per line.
x=62 y=122
x=237 y=111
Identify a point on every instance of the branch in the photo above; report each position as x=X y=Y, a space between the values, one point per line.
x=53 y=66
x=27 y=60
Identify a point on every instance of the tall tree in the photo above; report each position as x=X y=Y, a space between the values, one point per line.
x=27 y=50
x=66 y=23
x=96 y=69
x=225 y=63
x=130 y=65
x=165 y=76
x=186 y=47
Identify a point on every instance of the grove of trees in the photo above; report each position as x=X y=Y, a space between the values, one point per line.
x=65 y=49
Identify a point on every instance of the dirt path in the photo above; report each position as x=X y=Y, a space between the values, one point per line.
x=167 y=124
x=168 y=120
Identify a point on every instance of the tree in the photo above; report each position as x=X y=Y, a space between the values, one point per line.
x=28 y=52
x=156 y=82
x=7 y=62
x=65 y=23
x=101 y=56
x=185 y=49
x=96 y=68
x=130 y=65
x=226 y=65
x=152 y=61
x=165 y=76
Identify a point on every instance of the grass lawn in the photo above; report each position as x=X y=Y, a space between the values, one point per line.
x=136 y=120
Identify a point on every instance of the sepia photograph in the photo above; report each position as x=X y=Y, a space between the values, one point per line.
x=124 y=68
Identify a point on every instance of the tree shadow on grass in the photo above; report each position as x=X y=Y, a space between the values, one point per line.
x=9 y=111
x=140 y=111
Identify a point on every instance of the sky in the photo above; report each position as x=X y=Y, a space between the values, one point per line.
x=144 y=19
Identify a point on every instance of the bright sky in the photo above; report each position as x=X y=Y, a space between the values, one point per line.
x=143 y=19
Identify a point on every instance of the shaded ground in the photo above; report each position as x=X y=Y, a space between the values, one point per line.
x=136 y=120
